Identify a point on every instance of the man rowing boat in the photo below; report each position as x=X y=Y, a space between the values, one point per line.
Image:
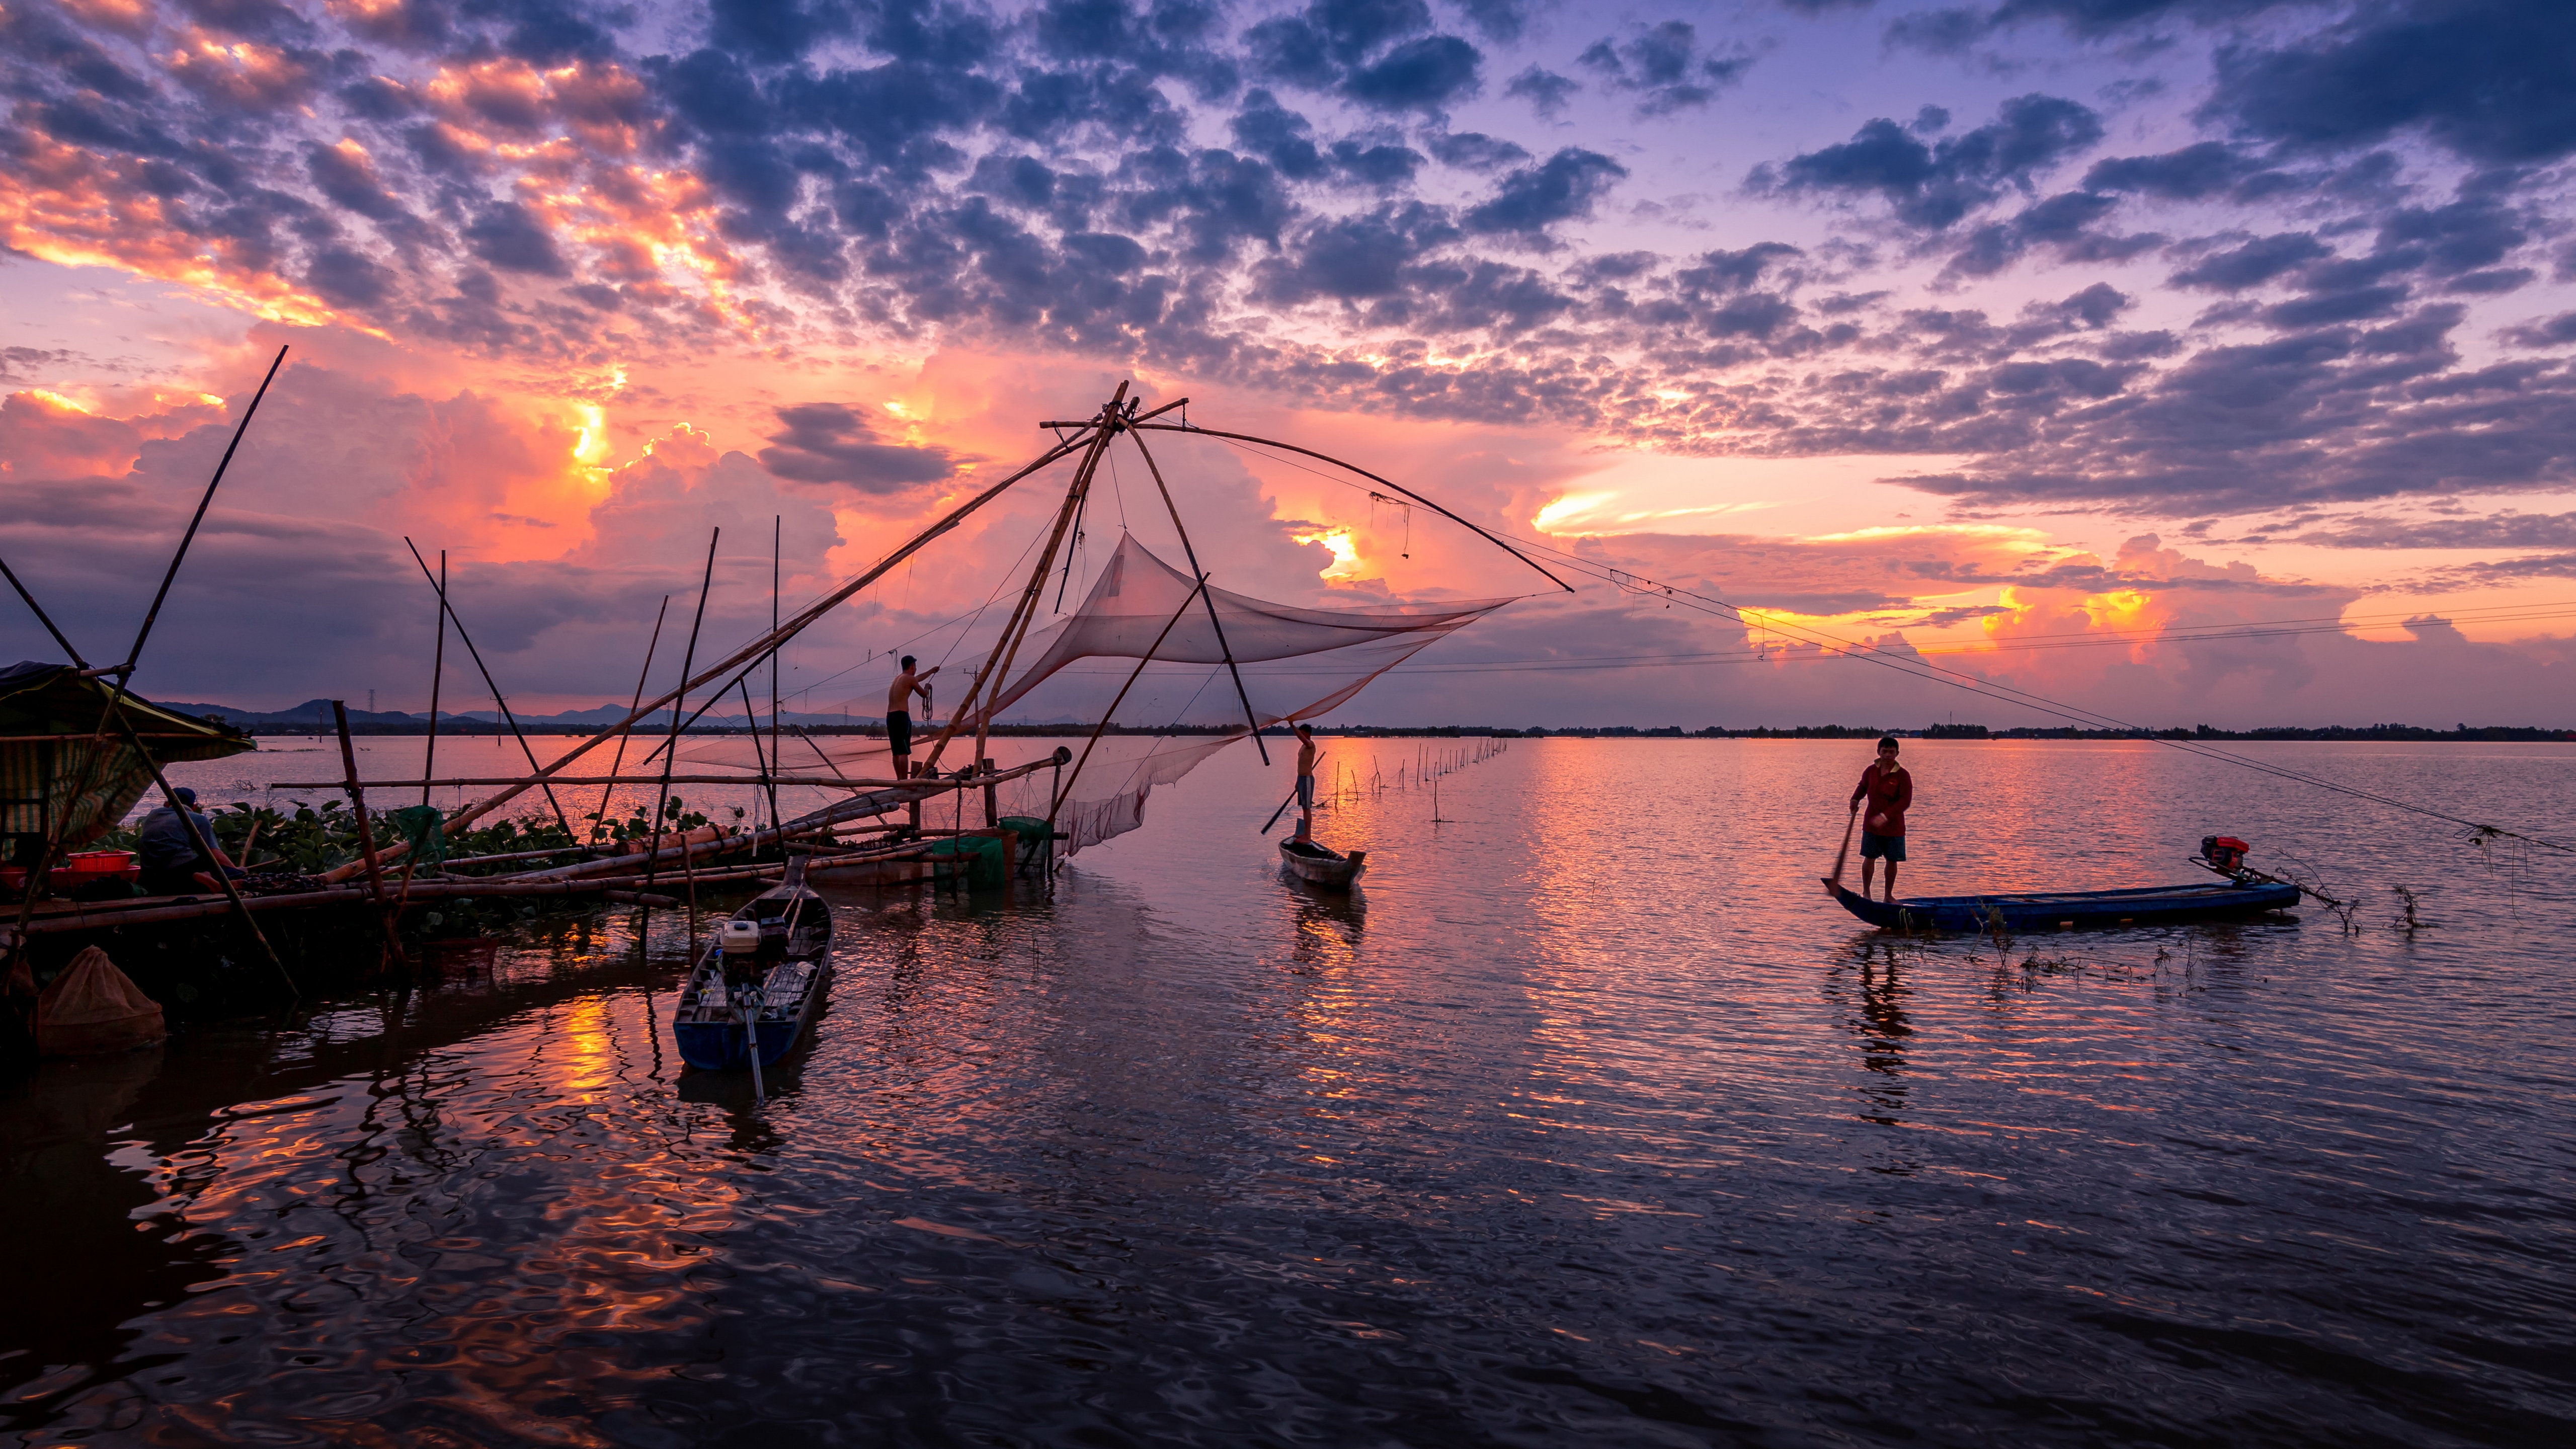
x=1306 y=755
x=1889 y=789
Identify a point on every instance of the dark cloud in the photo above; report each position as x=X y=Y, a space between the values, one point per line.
x=1661 y=65
x=2208 y=168
x=1358 y=258
x=2486 y=78
x=1545 y=90
x=1934 y=185
x=829 y=443
x=509 y=237
x=2500 y=530
x=1419 y=75
x=2253 y=263
x=1563 y=188
x=1476 y=151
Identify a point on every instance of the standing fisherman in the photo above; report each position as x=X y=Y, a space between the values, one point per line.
x=1889 y=789
x=899 y=714
x=1306 y=754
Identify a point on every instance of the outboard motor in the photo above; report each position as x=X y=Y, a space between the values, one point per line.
x=2225 y=853
x=740 y=940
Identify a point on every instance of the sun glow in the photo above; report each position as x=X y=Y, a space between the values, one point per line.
x=1345 y=566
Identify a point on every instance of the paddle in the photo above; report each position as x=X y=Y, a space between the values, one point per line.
x=1834 y=883
x=1284 y=804
x=748 y=1002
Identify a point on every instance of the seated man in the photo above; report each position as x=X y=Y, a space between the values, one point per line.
x=172 y=864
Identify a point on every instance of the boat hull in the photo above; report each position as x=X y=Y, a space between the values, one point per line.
x=1318 y=866
x=2050 y=910
x=795 y=972
x=723 y=1046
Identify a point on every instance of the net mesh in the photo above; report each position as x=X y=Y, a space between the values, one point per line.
x=1295 y=663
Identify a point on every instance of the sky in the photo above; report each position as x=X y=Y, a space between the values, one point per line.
x=2184 y=361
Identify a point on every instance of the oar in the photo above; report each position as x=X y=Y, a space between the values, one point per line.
x=1836 y=881
x=751 y=1034
x=1284 y=804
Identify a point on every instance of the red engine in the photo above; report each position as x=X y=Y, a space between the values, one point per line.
x=2226 y=852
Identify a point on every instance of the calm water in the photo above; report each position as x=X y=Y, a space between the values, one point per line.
x=1589 y=1120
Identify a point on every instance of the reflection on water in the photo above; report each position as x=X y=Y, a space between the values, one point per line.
x=1586 y=1117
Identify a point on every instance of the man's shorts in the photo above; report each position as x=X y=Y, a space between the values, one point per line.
x=1881 y=847
x=1305 y=792
x=899 y=731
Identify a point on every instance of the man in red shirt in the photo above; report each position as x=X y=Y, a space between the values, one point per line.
x=1888 y=789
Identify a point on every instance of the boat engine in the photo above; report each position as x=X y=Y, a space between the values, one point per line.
x=2225 y=853
x=741 y=942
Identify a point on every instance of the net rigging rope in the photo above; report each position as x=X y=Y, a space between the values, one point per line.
x=1915 y=666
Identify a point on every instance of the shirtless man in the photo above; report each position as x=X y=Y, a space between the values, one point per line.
x=1306 y=755
x=1888 y=789
x=899 y=714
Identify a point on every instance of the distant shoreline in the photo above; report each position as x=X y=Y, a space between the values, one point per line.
x=2359 y=734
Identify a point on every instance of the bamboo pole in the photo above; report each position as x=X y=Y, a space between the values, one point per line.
x=600 y=825
x=437 y=673
x=1372 y=477
x=366 y=831
x=498 y=700
x=662 y=799
x=1012 y=632
x=1196 y=572
x=197 y=838
x=1065 y=786
x=135 y=654
x=777 y=536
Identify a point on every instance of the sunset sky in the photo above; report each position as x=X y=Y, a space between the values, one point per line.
x=2020 y=333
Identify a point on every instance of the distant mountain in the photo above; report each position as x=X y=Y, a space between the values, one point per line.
x=317 y=712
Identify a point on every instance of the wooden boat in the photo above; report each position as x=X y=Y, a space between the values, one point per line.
x=1317 y=865
x=775 y=986
x=2048 y=910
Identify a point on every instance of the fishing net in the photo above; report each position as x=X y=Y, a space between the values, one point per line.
x=93 y=1007
x=1295 y=663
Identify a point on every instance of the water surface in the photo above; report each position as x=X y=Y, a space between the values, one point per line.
x=1588 y=1119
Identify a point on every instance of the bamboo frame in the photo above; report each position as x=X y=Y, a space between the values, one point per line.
x=802 y=620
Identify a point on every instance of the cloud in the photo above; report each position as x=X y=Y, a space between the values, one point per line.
x=1660 y=65
x=1545 y=90
x=2485 y=78
x=1933 y=185
x=829 y=443
x=1564 y=187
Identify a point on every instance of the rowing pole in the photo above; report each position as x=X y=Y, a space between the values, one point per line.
x=1837 y=878
x=1284 y=804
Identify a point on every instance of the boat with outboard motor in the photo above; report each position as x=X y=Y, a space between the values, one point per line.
x=2243 y=892
x=763 y=979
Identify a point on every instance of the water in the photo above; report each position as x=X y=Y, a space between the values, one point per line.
x=1590 y=1120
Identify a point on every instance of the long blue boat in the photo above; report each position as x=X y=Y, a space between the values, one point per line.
x=2050 y=910
x=764 y=978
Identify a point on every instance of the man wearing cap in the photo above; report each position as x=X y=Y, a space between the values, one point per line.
x=1888 y=789
x=172 y=864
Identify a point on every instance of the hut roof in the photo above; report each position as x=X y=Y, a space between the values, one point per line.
x=53 y=699
x=59 y=778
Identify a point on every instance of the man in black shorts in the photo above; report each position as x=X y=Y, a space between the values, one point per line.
x=1889 y=789
x=899 y=714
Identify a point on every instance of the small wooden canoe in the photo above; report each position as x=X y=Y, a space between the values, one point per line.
x=720 y=1011
x=1316 y=865
x=2048 y=910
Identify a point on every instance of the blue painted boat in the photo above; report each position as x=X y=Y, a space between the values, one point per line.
x=2049 y=910
x=765 y=977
